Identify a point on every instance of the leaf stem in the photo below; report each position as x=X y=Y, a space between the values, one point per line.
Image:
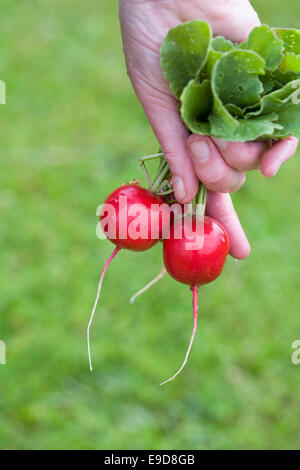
x=157 y=182
x=200 y=200
x=151 y=157
x=145 y=171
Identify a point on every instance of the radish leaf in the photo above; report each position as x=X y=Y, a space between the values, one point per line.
x=290 y=38
x=236 y=92
x=196 y=106
x=235 y=78
x=184 y=52
x=264 y=41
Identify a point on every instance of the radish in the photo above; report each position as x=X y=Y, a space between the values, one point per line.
x=132 y=218
x=193 y=264
x=124 y=227
x=135 y=218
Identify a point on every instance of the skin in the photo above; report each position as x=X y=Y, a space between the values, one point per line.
x=219 y=164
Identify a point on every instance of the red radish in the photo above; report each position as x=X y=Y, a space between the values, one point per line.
x=130 y=207
x=194 y=265
x=154 y=217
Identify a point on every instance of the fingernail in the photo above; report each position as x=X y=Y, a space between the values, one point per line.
x=222 y=144
x=200 y=151
x=179 y=188
x=272 y=170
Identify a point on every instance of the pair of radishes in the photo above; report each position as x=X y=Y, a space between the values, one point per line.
x=195 y=246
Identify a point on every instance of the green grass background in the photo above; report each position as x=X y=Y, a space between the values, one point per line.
x=71 y=132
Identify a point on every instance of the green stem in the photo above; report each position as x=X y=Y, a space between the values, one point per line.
x=165 y=193
x=157 y=182
x=147 y=158
x=200 y=200
x=170 y=201
x=146 y=174
x=160 y=167
x=151 y=157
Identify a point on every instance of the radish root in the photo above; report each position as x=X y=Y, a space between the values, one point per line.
x=107 y=263
x=195 y=313
x=150 y=284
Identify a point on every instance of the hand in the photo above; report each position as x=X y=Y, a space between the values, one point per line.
x=219 y=165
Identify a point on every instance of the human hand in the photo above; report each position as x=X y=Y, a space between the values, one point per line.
x=219 y=165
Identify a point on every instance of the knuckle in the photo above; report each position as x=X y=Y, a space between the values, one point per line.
x=236 y=162
x=243 y=159
x=246 y=165
x=217 y=184
x=237 y=183
x=171 y=156
x=226 y=183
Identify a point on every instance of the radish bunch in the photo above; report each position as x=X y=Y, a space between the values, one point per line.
x=205 y=75
x=195 y=246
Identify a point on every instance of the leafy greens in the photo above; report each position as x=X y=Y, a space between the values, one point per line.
x=237 y=92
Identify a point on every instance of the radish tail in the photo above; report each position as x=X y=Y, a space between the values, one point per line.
x=195 y=312
x=150 y=284
x=107 y=263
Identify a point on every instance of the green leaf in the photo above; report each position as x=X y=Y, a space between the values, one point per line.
x=286 y=104
x=289 y=119
x=196 y=105
x=220 y=44
x=289 y=68
x=238 y=93
x=184 y=53
x=250 y=130
x=290 y=63
x=234 y=110
x=234 y=81
x=235 y=78
x=256 y=128
x=264 y=41
x=269 y=83
x=222 y=124
x=270 y=102
x=290 y=38
x=284 y=77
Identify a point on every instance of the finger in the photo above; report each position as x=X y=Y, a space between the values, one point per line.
x=276 y=155
x=162 y=112
x=220 y=207
x=210 y=167
x=242 y=156
x=243 y=18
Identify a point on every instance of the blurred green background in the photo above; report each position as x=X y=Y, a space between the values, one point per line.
x=72 y=131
